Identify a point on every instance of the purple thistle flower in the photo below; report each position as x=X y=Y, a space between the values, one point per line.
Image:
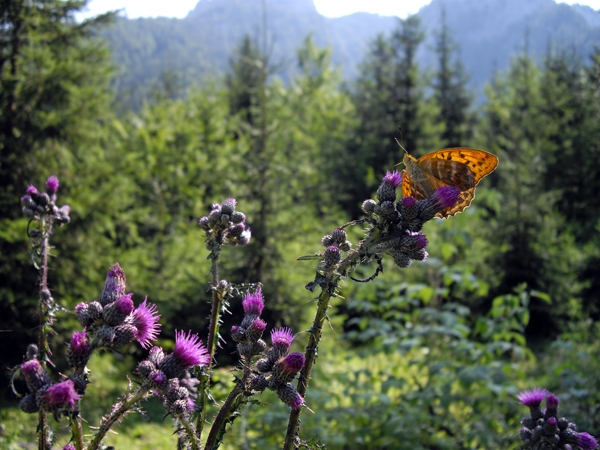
x=145 y=321
x=190 y=404
x=32 y=190
x=255 y=331
x=35 y=375
x=125 y=304
x=68 y=447
x=409 y=202
x=282 y=336
x=532 y=398
x=80 y=345
x=446 y=196
x=253 y=303
x=159 y=377
x=189 y=350
x=62 y=393
x=52 y=185
x=292 y=363
x=421 y=241
x=394 y=178
x=114 y=286
x=586 y=441
x=552 y=402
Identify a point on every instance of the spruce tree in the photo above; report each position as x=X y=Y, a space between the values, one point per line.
x=451 y=93
x=54 y=80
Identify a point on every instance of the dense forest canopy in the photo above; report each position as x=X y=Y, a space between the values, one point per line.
x=510 y=287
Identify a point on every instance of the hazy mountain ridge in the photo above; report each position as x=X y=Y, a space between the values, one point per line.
x=488 y=33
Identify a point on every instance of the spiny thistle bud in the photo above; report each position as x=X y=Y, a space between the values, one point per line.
x=237 y=217
x=387 y=189
x=29 y=404
x=238 y=334
x=551 y=406
x=368 y=206
x=35 y=375
x=286 y=368
x=52 y=185
x=114 y=286
x=228 y=206
x=79 y=350
x=264 y=365
x=114 y=313
x=259 y=383
x=332 y=256
x=289 y=395
x=156 y=355
x=533 y=398
x=255 y=330
x=339 y=235
x=402 y=260
x=145 y=368
x=124 y=334
x=327 y=240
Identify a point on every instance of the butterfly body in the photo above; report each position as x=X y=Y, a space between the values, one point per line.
x=460 y=167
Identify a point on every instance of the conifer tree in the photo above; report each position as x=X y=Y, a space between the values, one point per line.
x=54 y=82
x=451 y=93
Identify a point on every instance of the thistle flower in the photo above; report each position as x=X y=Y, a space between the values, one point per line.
x=545 y=430
x=35 y=375
x=114 y=286
x=61 y=395
x=289 y=395
x=286 y=368
x=189 y=350
x=387 y=189
x=253 y=303
x=79 y=350
x=145 y=321
x=52 y=185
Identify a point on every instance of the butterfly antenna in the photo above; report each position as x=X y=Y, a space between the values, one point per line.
x=401 y=137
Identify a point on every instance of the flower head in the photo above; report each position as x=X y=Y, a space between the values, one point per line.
x=253 y=303
x=409 y=201
x=189 y=350
x=61 y=394
x=446 y=196
x=32 y=190
x=80 y=344
x=282 y=336
x=145 y=321
x=394 y=178
x=114 y=286
x=293 y=362
x=35 y=375
x=532 y=398
x=52 y=185
x=586 y=441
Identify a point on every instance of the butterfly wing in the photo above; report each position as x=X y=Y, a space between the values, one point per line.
x=460 y=167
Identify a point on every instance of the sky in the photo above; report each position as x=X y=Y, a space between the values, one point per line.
x=328 y=8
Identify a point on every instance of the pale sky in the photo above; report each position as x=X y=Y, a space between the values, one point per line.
x=328 y=8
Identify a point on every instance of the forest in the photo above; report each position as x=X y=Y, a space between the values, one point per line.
x=431 y=356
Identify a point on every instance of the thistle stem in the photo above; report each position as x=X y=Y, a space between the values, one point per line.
x=115 y=415
x=218 y=427
x=77 y=433
x=213 y=332
x=189 y=430
x=43 y=331
x=310 y=355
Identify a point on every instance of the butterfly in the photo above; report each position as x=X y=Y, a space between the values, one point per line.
x=460 y=167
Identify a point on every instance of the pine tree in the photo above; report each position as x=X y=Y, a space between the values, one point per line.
x=390 y=92
x=54 y=81
x=451 y=93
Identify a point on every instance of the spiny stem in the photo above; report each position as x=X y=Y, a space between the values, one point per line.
x=77 y=432
x=213 y=332
x=43 y=334
x=189 y=430
x=310 y=355
x=218 y=427
x=116 y=415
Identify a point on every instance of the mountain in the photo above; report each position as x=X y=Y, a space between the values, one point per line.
x=488 y=34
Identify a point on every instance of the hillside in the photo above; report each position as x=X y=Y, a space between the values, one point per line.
x=200 y=45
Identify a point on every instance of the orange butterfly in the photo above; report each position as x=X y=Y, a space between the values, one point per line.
x=460 y=167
